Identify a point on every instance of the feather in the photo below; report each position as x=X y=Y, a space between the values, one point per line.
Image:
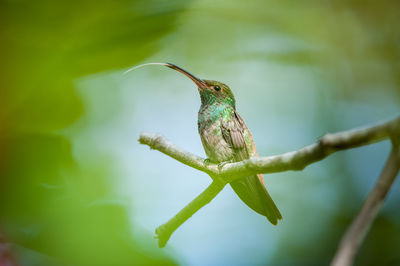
x=251 y=190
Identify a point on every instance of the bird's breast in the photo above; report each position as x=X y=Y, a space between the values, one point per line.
x=215 y=146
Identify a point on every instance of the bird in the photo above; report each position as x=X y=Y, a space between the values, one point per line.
x=226 y=138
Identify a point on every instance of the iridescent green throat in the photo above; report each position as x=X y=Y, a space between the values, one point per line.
x=209 y=98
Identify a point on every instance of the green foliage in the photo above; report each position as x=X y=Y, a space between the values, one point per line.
x=50 y=203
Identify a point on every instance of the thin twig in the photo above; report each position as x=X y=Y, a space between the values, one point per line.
x=295 y=160
x=158 y=142
x=356 y=233
x=164 y=231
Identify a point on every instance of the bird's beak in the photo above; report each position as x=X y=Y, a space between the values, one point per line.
x=199 y=82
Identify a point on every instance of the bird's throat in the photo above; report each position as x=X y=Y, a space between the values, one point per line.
x=210 y=113
x=208 y=99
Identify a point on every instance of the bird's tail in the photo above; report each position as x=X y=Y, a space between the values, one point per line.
x=253 y=192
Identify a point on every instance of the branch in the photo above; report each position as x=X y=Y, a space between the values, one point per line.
x=164 y=231
x=356 y=233
x=295 y=160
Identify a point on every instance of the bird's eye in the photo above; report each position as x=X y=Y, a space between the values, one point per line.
x=217 y=88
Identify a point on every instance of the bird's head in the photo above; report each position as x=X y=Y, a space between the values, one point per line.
x=218 y=92
x=211 y=91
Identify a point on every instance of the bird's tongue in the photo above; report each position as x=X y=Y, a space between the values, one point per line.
x=199 y=82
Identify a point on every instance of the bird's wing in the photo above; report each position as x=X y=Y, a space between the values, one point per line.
x=238 y=136
x=251 y=190
x=233 y=133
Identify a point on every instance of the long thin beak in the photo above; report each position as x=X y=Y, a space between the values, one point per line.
x=199 y=82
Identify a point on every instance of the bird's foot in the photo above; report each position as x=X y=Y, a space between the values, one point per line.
x=220 y=165
x=208 y=161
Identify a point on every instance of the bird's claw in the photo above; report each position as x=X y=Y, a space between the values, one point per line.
x=207 y=161
x=220 y=165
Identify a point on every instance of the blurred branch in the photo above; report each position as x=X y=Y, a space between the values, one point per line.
x=295 y=160
x=164 y=231
x=356 y=233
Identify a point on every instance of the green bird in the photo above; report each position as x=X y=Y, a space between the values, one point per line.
x=226 y=138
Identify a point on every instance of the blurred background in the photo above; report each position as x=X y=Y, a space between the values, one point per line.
x=76 y=188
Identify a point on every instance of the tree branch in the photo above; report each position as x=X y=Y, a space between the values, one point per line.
x=295 y=160
x=164 y=231
x=356 y=233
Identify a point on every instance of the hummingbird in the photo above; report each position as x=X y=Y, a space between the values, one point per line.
x=226 y=138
